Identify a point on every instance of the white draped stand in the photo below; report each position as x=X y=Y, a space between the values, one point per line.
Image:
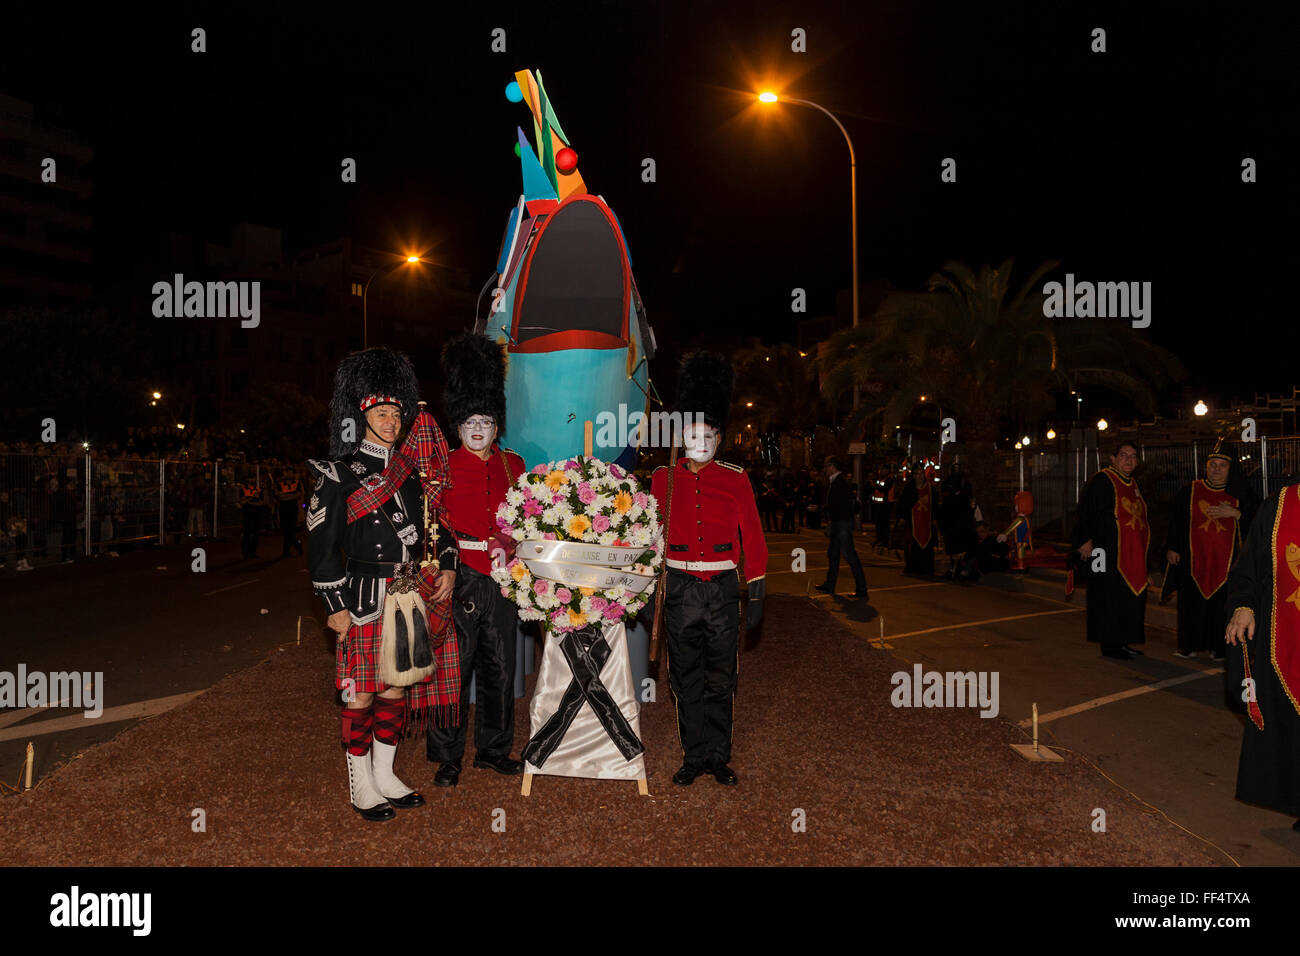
x=586 y=748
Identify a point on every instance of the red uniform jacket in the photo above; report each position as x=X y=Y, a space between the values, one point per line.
x=477 y=489
x=713 y=517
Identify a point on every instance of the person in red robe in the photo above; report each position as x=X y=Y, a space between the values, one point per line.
x=1263 y=591
x=1112 y=535
x=1205 y=533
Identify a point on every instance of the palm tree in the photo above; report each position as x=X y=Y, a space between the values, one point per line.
x=776 y=391
x=986 y=356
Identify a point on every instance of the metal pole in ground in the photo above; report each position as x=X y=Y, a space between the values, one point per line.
x=89 y=482
x=162 y=500
x=1263 y=461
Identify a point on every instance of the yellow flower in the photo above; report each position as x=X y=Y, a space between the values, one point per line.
x=577 y=618
x=578 y=526
x=555 y=479
x=622 y=501
x=519 y=571
x=587 y=592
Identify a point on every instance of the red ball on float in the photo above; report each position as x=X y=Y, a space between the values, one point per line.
x=566 y=160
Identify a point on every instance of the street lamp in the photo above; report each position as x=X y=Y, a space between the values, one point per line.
x=769 y=97
x=1102 y=424
x=1201 y=408
x=1025 y=441
x=1051 y=433
x=378 y=273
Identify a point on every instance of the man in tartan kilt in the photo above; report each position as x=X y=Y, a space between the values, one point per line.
x=366 y=518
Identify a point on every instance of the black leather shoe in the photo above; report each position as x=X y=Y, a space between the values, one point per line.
x=1119 y=653
x=448 y=774
x=860 y=595
x=376 y=814
x=724 y=775
x=686 y=775
x=503 y=764
x=412 y=799
x=1133 y=651
x=823 y=588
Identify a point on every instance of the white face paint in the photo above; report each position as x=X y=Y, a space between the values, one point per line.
x=701 y=442
x=478 y=432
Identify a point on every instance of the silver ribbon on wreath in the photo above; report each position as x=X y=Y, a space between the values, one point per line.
x=584 y=565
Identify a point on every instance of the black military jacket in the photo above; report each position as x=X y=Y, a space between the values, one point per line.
x=350 y=564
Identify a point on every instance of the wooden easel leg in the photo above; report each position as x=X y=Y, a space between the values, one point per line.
x=641 y=787
x=527 y=788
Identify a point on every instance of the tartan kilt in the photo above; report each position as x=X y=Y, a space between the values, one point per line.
x=437 y=696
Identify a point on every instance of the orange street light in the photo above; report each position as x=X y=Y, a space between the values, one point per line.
x=767 y=97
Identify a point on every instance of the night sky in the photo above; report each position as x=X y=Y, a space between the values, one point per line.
x=1124 y=165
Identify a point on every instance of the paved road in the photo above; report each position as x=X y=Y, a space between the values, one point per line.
x=153 y=626
x=1175 y=745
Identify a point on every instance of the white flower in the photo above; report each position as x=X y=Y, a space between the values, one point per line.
x=514 y=497
x=550 y=516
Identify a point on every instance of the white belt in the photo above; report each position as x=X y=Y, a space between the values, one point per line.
x=701 y=565
x=471 y=545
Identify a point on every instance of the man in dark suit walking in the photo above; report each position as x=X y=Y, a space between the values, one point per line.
x=839 y=514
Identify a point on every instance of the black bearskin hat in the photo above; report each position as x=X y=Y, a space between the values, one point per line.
x=379 y=372
x=474 y=376
x=704 y=386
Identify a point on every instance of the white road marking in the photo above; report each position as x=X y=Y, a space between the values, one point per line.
x=1122 y=695
x=14 y=716
x=78 y=721
x=992 y=620
x=230 y=588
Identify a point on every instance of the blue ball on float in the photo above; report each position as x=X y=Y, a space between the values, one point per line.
x=513 y=93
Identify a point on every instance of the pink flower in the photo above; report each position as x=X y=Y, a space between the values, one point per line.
x=564 y=595
x=640 y=499
x=616 y=471
x=613 y=611
x=540 y=586
x=571 y=463
x=505 y=592
x=600 y=524
x=549 y=536
x=556 y=499
x=635 y=528
x=532 y=508
x=541 y=469
x=586 y=493
x=598 y=605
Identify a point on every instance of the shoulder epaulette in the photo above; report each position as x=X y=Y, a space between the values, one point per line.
x=729 y=466
x=327 y=469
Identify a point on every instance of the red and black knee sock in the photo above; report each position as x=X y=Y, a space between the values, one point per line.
x=389 y=717
x=357 y=724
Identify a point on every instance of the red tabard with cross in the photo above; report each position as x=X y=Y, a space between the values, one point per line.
x=478 y=488
x=1284 y=636
x=1210 y=539
x=1133 y=531
x=922 y=512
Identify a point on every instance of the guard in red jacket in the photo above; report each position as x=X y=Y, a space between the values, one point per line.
x=481 y=473
x=712 y=519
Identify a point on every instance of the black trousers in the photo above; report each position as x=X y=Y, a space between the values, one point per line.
x=252 y=515
x=485 y=628
x=703 y=623
x=289 y=526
